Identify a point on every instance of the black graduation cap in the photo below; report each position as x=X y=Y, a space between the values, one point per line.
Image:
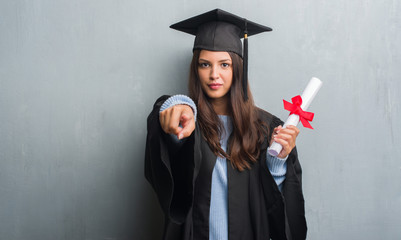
x=218 y=30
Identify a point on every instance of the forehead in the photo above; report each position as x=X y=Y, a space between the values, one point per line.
x=214 y=55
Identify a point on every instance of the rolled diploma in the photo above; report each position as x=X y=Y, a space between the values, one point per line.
x=307 y=96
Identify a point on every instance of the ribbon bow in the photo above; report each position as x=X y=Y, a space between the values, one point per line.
x=295 y=108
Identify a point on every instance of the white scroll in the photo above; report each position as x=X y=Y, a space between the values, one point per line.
x=307 y=96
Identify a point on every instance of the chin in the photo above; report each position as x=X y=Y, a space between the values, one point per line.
x=216 y=96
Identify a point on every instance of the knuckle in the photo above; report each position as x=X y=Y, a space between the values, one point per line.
x=165 y=129
x=170 y=127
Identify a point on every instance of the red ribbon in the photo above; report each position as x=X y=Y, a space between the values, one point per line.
x=295 y=108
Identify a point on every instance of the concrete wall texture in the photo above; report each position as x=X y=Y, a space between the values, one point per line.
x=78 y=78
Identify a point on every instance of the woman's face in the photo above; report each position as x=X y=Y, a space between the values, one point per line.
x=215 y=73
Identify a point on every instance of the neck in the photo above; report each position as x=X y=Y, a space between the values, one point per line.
x=220 y=106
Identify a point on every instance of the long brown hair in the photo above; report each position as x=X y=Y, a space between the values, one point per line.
x=248 y=131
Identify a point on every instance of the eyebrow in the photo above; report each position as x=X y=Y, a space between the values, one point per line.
x=223 y=60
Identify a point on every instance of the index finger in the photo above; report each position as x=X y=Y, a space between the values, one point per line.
x=187 y=130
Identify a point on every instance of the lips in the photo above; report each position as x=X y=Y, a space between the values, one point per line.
x=215 y=86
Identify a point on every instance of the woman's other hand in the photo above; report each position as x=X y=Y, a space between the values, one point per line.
x=286 y=137
x=178 y=120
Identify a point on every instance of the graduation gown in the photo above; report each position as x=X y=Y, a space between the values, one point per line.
x=181 y=178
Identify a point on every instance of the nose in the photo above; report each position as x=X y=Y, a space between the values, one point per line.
x=214 y=73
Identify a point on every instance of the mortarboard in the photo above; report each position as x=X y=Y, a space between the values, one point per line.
x=218 y=30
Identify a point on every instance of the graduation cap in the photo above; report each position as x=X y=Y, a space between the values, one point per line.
x=218 y=30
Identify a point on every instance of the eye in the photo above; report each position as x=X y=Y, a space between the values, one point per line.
x=204 y=65
x=225 y=65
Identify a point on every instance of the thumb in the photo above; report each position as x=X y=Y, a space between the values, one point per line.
x=274 y=133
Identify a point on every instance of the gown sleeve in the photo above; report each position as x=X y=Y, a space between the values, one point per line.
x=169 y=171
x=293 y=197
x=294 y=206
x=292 y=193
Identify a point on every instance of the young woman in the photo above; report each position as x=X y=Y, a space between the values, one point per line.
x=206 y=154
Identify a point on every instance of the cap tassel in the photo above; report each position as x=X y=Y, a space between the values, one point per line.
x=245 y=67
